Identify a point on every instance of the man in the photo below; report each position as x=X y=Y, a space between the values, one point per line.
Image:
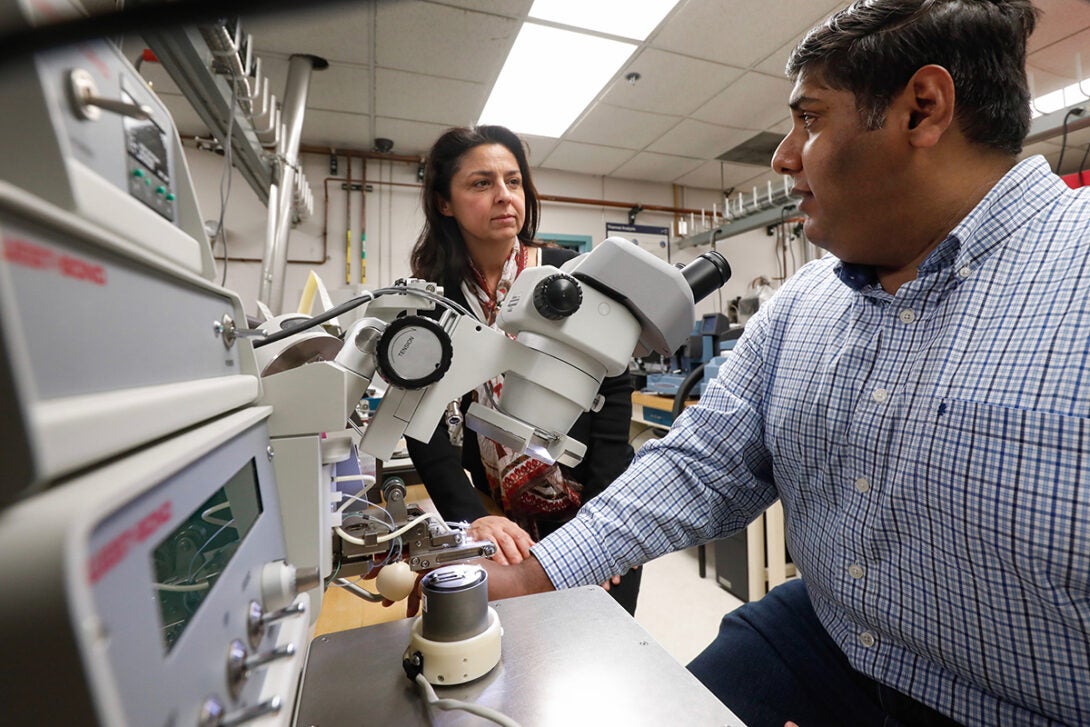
x=919 y=403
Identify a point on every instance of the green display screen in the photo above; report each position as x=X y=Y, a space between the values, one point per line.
x=189 y=561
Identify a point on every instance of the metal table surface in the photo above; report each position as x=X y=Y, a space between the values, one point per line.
x=571 y=657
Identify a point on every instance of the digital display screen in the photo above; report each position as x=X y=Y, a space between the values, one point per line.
x=189 y=561
x=144 y=140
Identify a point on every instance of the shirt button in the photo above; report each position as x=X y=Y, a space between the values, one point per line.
x=963 y=271
x=862 y=484
x=855 y=570
x=867 y=639
x=879 y=395
x=907 y=315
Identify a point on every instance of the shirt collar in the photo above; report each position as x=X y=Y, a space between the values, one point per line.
x=1020 y=194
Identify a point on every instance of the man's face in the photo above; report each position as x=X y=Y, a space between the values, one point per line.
x=845 y=175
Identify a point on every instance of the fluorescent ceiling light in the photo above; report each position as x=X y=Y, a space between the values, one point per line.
x=549 y=78
x=1060 y=99
x=626 y=18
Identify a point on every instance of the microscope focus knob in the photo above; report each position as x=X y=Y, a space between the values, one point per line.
x=557 y=296
x=414 y=352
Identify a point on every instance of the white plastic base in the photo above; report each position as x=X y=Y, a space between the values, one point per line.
x=457 y=662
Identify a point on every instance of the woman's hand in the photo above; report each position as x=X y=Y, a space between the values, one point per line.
x=512 y=542
x=615 y=580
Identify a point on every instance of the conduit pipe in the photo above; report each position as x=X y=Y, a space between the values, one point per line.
x=275 y=259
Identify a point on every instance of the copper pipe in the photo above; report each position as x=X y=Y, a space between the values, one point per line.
x=610 y=203
x=408 y=159
x=363 y=223
x=348 y=221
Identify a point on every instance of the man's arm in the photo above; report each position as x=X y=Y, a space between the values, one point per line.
x=521 y=579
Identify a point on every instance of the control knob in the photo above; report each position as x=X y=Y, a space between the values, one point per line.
x=557 y=296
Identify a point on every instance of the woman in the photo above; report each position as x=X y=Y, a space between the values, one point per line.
x=481 y=213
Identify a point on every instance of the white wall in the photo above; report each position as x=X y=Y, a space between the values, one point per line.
x=393 y=219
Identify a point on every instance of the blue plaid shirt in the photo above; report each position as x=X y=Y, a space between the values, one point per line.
x=932 y=452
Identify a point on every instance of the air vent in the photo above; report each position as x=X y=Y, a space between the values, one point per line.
x=758 y=150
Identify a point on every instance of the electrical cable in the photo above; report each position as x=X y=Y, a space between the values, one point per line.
x=488 y=713
x=183 y=588
x=228 y=163
x=207 y=514
x=355 y=303
x=193 y=573
x=683 y=390
x=1076 y=111
x=357 y=590
x=333 y=576
x=389 y=536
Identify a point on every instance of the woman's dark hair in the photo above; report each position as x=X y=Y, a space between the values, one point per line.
x=440 y=252
x=873 y=47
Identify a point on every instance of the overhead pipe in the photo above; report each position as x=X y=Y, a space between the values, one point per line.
x=363 y=222
x=348 y=222
x=409 y=159
x=275 y=259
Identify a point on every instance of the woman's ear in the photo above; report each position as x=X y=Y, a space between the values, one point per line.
x=443 y=205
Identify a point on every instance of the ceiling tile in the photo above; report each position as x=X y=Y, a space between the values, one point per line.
x=614 y=126
x=669 y=83
x=712 y=68
x=185 y=118
x=427 y=98
x=409 y=137
x=337 y=88
x=331 y=128
x=737 y=33
x=338 y=33
x=753 y=102
x=443 y=41
x=706 y=176
x=158 y=78
x=656 y=167
x=718 y=175
x=1063 y=57
x=540 y=148
x=1059 y=19
x=585 y=158
x=693 y=138
x=508 y=8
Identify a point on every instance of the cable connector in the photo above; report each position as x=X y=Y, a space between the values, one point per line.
x=413 y=664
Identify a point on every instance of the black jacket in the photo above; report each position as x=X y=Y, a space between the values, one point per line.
x=441 y=464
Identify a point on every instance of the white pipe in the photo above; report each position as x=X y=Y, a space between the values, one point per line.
x=274 y=263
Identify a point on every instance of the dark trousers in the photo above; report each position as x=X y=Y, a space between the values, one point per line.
x=773 y=661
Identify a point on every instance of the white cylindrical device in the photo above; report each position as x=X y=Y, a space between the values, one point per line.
x=456 y=638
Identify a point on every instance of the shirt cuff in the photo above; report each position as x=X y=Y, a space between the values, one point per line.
x=574 y=555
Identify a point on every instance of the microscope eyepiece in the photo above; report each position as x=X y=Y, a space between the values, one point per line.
x=706 y=274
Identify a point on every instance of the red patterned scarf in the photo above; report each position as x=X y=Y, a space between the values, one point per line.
x=529 y=491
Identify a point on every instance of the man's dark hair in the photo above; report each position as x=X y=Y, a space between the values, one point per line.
x=873 y=47
x=440 y=252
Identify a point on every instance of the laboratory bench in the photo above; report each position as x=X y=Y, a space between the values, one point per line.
x=569 y=657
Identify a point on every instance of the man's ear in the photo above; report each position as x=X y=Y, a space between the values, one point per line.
x=928 y=100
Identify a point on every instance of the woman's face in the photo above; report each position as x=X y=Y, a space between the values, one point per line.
x=486 y=197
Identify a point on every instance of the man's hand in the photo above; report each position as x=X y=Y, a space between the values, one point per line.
x=507 y=581
x=512 y=542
